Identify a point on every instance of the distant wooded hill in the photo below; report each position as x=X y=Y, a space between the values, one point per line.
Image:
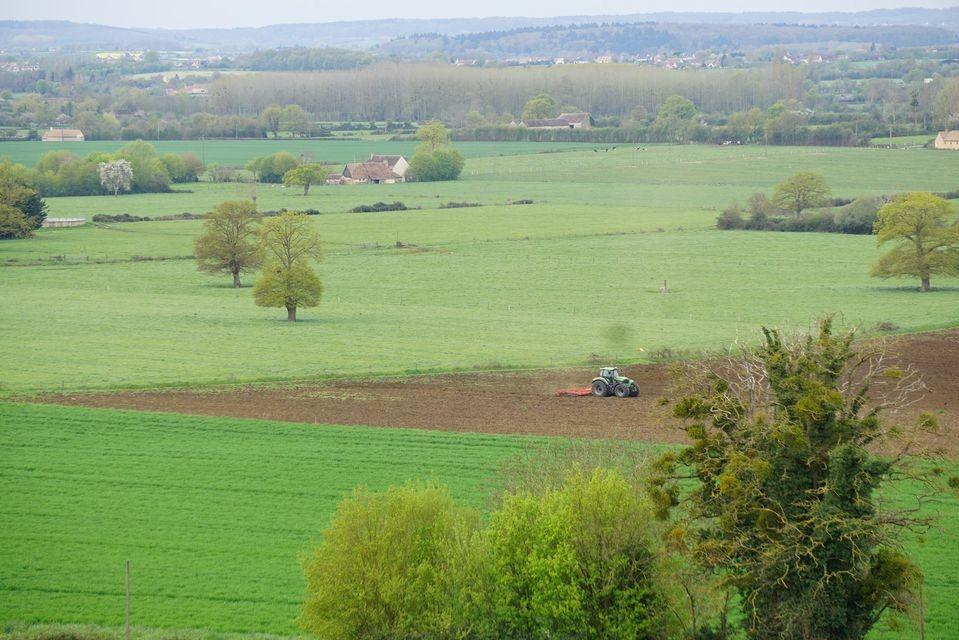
x=52 y=34
x=645 y=38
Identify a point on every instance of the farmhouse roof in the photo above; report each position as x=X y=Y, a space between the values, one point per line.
x=369 y=171
x=950 y=136
x=389 y=160
x=581 y=117
x=62 y=133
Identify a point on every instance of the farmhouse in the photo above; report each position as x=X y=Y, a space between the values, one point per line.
x=562 y=121
x=62 y=135
x=377 y=170
x=947 y=140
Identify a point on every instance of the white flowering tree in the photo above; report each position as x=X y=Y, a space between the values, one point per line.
x=116 y=175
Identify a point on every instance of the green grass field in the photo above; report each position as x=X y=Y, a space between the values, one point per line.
x=499 y=285
x=237 y=152
x=214 y=513
x=901 y=141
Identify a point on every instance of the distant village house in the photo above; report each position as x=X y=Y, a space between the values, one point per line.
x=62 y=135
x=947 y=140
x=378 y=169
x=562 y=121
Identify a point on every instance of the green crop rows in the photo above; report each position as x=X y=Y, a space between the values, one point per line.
x=214 y=513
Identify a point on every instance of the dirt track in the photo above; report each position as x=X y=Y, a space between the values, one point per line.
x=516 y=403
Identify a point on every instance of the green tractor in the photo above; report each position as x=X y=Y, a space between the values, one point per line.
x=609 y=382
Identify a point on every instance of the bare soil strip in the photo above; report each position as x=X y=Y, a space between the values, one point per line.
x=513 y=403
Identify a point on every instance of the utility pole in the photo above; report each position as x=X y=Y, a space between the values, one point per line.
x=126 y=624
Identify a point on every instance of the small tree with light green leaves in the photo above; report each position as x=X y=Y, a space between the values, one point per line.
x=288 y=243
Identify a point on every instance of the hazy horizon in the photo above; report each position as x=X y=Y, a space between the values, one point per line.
x=180 y=14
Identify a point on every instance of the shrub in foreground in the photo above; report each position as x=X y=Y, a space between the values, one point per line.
x=387 y=566
x=578 y=560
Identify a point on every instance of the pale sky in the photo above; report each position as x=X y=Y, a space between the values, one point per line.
x=247 y=13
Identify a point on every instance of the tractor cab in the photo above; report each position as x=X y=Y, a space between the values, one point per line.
x=610 y=382
x=609 y=373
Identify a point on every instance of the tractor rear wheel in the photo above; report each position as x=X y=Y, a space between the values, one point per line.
x=600 y=389
x=621 y=391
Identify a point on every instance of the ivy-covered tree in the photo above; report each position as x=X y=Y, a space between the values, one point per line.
x=785 y=506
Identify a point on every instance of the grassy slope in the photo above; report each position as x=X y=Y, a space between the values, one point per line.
x=237 y=152
x=530 y=285
x=213 y=513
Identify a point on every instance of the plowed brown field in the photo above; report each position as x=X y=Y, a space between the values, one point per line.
x=514 y=403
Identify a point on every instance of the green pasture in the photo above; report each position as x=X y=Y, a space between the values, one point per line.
x=214 y=513
x=901 y=141
x=237 y=152
x=573 y=276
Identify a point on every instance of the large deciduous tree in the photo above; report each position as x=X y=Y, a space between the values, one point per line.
x=800 y=192
x=271 y=118
x=288 y=243
x=116 y=175
x=433 y=135
x=925 y=235
x=542 y=106
x=305 y=176
x=229 y=243
x=786 y=503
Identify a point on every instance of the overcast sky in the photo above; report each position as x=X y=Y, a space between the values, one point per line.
x=252 y=13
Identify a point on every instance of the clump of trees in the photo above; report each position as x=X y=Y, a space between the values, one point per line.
x=772 y=510
x=229 y=242
x=289 y=244
x=577 y=560
x=924 y=233
x=434 y=159
x=273 y=167
x=62 y=173
x=802 y=203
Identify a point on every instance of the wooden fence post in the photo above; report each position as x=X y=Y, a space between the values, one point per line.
x=126 y=625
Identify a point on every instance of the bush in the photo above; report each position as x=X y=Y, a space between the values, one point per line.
x=376 y=207
x=730 y=218
x=441 y=164
x=578 y=561
x=859 y=216
x=387 y=566
x=120 y=217
x=459 y=205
